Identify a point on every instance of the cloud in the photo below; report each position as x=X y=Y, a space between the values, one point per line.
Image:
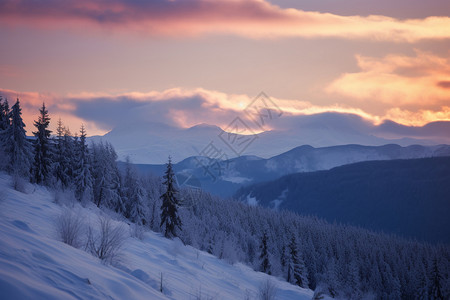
x=101 y=112
x=248 y=18
x=444 y=84
x=420 y=81
x=419 y=117
x=57 y=106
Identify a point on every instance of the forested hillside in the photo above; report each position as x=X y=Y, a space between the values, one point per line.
x=406 y=197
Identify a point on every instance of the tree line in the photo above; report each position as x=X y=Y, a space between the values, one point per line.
x=65 y=161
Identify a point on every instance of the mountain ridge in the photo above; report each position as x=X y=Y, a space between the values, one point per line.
x=151 y=143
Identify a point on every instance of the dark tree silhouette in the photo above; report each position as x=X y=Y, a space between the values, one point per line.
x=264 y=256
x=169 y=207
x=42 y=154
x=17 y=149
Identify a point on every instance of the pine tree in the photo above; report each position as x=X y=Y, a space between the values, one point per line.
x=3 y=113
x=169 y=207
x=421 y=284
x=82 y=172
x=134 y=195
x=354 y=280
x=16 y=147
x=264 y=255
x=436 y=281
x=331 y=278
x=114 y=200
x=107 y=183
x=42 y=156
x=68 y=158
x=60 y=156
x=283 y=258
x=296 y=270
x=5 y=122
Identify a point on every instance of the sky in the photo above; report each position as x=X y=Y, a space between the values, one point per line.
x=185 y=62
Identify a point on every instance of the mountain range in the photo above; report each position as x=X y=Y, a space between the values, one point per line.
x=152 y=143
x=226 y=177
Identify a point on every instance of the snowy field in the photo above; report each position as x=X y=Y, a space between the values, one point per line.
x=34 y=264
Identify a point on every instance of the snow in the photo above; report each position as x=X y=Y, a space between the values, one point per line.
x=236 y=179
x=35 y=265
x=277 y=202
x=251 y=201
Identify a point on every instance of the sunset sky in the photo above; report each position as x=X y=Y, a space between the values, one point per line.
x=202 y=61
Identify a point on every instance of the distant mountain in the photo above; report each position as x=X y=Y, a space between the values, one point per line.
x=152 y=143
x=410 y=198
x=237 y=172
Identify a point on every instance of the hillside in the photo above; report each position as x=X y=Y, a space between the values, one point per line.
x=410 y=198
x=35 y=265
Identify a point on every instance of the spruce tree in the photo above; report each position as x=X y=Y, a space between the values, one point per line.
x=5 y=122
x=16 y=147
x=331 y=278
x=60 y=153
x=169 y=207
x=296 y=270
x=82 y=172
x=42 y=156
x=134 y=195
x=264 y=255
x=3 y=114
x=283 y=258
x=68 y=158
x=436 y=281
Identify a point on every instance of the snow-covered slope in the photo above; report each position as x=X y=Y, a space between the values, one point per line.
x=35 y=265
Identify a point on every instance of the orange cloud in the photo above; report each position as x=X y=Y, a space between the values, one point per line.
x=417 y=118
x=396 y=80
x=248 y=18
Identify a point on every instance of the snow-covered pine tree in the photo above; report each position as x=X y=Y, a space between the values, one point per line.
x=134 y=195
x=4 y=110
x=283 y=258
x=42 y=153
x=69 y=157
x=354 y=280
x=169 y=208
x=82 y=172
x=436 y=281
x=59 y=157
x=17 y=148
x=296 y=270
x=5 y=122
x=264 y=255
x=330 y=278
x=115 y=197
x=106 y=177
x=421 y=283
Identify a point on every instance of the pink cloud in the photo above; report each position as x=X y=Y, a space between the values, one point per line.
x=101 y=112
x=249 y=18
x=398 y=81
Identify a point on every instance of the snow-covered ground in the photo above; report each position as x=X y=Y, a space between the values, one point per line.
x=34 y=264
